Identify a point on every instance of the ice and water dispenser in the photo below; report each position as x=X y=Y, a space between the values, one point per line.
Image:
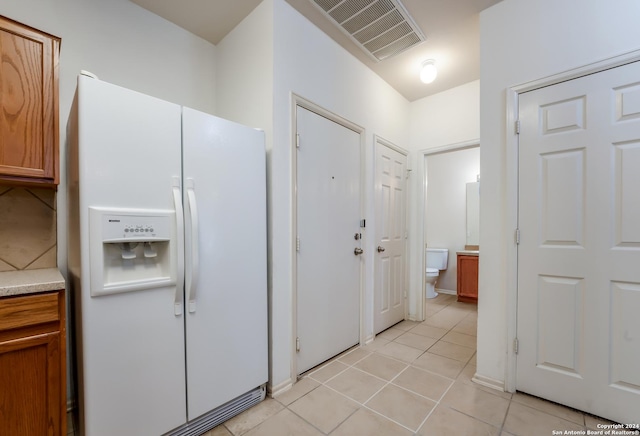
x=131 y=250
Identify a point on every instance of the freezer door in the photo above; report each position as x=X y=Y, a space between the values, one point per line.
x=131 y=344
x=225 y=249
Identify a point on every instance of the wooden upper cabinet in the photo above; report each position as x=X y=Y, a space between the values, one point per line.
x=28 y=105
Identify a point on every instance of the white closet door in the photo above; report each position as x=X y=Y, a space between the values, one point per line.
x=579 y=256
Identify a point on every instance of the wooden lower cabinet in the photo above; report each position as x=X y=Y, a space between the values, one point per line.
x=32 y=365
x=467 y=278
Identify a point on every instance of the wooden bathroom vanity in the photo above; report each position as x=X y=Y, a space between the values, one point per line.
x=468 y=276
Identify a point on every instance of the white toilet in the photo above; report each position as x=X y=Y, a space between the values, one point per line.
x=437 y=259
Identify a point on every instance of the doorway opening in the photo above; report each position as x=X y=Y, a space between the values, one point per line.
x=445 y=172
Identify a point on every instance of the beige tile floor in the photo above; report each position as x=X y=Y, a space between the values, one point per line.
x=413 y=379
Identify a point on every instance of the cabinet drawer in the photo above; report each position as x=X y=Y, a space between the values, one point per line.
x=22 y=311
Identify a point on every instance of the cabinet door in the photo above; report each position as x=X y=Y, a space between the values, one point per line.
x=468 y=278
x=30 y=380
x=28 y=104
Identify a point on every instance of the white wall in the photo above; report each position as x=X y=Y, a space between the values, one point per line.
x=273 y=53
x=446 y=221
x=123 y=44
x=521 y=41
x=449 y=117
x=244 y=71
x=307 y=62
x=244 y=92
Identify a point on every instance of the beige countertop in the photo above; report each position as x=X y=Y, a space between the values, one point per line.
x=468 y=252
x=30 y=281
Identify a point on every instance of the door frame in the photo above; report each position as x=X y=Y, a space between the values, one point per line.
x=422 y=233
x=297 y=100
x=380 y=141
x=512 y=189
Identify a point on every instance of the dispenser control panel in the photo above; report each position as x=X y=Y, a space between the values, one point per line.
x=120 y=228
x=131 y=249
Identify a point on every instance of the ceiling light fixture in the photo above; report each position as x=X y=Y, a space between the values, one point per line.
x=429 y=72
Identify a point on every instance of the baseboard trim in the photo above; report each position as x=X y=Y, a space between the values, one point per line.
x=446 y=291
x=488 y=382
x=274 y=391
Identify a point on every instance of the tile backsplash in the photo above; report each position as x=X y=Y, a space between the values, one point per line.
x=27 y=228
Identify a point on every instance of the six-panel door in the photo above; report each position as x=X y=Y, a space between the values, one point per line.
x=579 y=220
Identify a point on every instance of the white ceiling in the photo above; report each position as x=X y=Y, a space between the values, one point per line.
x=451 y=28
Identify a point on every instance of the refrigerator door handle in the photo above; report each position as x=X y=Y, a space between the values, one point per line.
x=193 y=216
x=177 y=202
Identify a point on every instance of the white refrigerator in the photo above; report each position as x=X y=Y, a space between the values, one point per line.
x=167 y=263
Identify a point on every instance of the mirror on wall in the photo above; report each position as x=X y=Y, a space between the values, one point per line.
x=473 y=215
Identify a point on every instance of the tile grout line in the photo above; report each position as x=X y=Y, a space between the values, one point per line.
x=363 y=404
x=387 y=418
x=311 y=424
x=390 y=382
x=504 y=420
x=453 y=381
x=386 y=382
x=438 y=403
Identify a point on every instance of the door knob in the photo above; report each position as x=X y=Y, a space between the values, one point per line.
x=358 y=251
x=380 y=249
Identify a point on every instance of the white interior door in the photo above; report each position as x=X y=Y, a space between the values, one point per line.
x=328 y=217
x=579 y=216
x=390 y=278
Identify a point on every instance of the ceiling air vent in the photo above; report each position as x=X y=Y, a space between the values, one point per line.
x=382 y=28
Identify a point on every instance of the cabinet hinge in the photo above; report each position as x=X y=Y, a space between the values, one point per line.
x=517 y=236
x=516 y=345
x=517 y=127
x=297 y=344
x=297 y=140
